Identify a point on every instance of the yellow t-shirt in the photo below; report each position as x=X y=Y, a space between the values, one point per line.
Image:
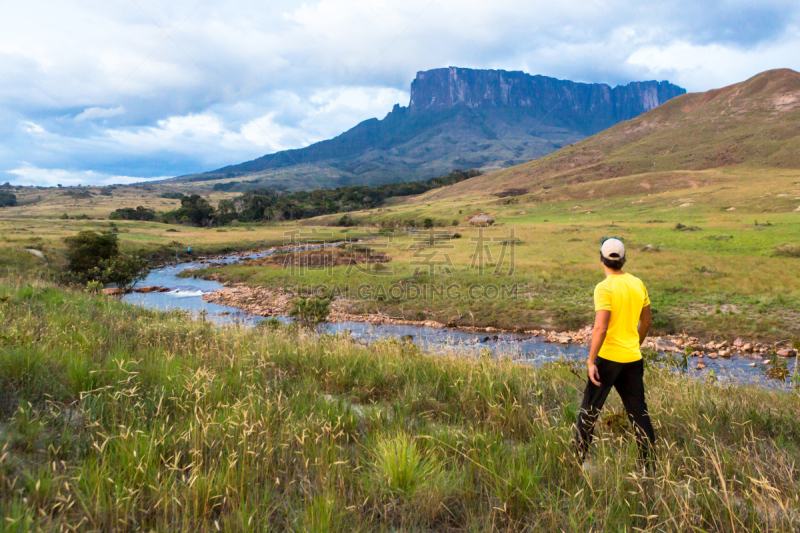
x=625 y=296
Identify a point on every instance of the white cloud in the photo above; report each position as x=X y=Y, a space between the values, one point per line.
x=95 y=113
x=28 y=174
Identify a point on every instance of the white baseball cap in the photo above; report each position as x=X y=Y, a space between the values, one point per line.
x=612 y=249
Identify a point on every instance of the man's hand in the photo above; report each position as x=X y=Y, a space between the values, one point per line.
x=601 y=319
x=594 y=374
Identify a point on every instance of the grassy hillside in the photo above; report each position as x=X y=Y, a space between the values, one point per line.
x=117 y=418
x=752 y=124
x=482 y=139
x=99 y=202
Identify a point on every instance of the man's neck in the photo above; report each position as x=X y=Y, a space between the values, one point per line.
x=612 y=272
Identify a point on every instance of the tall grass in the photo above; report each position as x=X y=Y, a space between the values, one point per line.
x=114 y=418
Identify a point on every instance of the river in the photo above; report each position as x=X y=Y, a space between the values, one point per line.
x=187 y=294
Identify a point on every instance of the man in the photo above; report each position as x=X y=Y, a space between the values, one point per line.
x=622 y=320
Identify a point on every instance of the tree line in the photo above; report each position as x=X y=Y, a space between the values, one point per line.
x=265 y=205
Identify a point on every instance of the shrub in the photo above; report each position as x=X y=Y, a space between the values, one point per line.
x=427 y=223
x=124 y=270
x=402 y=469
x=310 y=312
x=171 y=195
x=7 y=199
x=345 y=221
x=272 y=323
x=129 y=213
x=88 y=249
x=683 y=227
x=787 y=250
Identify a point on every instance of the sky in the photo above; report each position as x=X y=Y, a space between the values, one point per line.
x=98 y=92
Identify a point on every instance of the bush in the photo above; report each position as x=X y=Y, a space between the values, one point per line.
x=683 y=227
x=88 y=249
x=171 y=195
x=345 y=221
x=427 y=223
x=787 y=250
x=94 y=286
x=7 y=199
x=310 y=312
x=271 y=324
x=124 y=270
x=129 y=213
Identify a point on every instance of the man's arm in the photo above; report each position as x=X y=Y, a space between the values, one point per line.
x=601 y=319
x=645 y=319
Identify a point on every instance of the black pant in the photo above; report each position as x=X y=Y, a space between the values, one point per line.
x=627 y=379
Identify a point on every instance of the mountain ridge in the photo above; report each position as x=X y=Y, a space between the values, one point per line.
x=456 y=119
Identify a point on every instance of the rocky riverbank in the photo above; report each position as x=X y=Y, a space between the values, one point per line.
x=262 y=301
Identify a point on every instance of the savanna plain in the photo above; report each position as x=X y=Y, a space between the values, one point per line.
x=114 y=417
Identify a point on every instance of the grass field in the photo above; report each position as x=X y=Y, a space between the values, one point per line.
x=728 y=273
x=118 y=418
x=728 y=278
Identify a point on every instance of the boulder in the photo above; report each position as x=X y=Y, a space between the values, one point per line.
x=738 y=343
x=700 y=366
x=113 y=292
x=748 y=347
x=149 y=289
x=482 y=220
x=712 y=356
x=663 y=345
x=787 y=352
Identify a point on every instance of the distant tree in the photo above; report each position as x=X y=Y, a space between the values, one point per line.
x=195 y=210
x=128 y=213
x=7 y=199
x=171 y=195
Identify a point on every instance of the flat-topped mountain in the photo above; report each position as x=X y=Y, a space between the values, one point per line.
x=457 y=119
x=752 y=123
x=586 y=107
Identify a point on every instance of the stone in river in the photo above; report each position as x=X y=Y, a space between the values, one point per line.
x=662 y=345
x=113 y=292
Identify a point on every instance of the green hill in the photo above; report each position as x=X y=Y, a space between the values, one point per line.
x=753 y=123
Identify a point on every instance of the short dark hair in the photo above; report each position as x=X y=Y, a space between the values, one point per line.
x=613 y=264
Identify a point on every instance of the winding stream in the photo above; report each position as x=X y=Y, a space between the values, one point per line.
x=187 y=294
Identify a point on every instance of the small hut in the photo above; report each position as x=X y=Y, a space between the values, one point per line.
x=482 y=220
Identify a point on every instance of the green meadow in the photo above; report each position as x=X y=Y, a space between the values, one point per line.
x=712 y=271
x=118 y=418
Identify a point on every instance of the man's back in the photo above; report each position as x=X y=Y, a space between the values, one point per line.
x=625 y=296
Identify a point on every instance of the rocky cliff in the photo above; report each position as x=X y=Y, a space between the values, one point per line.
x=457 y=119
x=589 y=107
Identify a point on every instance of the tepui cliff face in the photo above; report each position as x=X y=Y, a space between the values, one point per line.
x=591 y=107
